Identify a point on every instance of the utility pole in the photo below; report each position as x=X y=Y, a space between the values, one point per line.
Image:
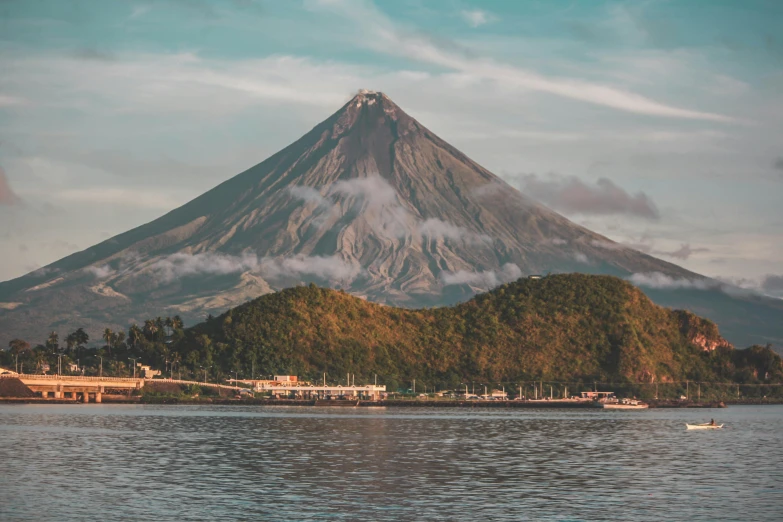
x=134 y=366
x=101 y=371
x=687 y=390
x=699 y=393
x=414 y=386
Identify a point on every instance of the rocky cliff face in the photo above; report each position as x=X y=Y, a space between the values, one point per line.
x=369 y=201
x=701 y=332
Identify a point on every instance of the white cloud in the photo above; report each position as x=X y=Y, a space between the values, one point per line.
x=438 y=229
x=475 y=17
x=100 y=272
x=581 y=257
x=607 y=245
x=379 y=204
x=331 y=268
x=181 y=265
x=485 y=279
x=662 y=281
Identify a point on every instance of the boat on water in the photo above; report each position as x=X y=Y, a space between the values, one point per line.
x=623 y=404
x=705 y=426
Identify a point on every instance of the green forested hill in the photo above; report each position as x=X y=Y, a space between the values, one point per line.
x=562 y=327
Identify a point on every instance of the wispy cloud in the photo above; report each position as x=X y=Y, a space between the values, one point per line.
x=482 y=279
x=378 y=203
x=438 y=229
x=475 y=17
x=684 y=252
x=100 y=271
x=383 y=35
x=571 y=195
x=663 y=281
x=329 y=268
x=181 y=265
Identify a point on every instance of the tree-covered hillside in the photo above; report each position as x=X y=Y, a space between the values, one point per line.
x=562 y=327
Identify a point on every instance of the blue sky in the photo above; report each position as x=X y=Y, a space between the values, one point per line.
x=113 y=112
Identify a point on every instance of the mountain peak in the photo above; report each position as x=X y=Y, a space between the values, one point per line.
x=374 y=104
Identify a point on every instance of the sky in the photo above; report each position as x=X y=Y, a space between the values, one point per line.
x=656 y=123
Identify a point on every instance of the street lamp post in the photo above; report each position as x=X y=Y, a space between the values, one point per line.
x=101 y=370
x=134 y=365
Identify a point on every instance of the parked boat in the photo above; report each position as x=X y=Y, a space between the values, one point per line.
x=705 y=426
x=623 y=404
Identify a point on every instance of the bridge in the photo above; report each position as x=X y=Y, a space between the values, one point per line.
x=74 y=386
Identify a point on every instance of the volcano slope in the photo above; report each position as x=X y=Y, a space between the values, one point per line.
x=369 y=201
x=569 y=327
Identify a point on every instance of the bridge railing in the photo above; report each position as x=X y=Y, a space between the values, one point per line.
x=56 y=377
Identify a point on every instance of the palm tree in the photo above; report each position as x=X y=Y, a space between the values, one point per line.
x=150 y=329
x=176 y=322
x=70 y=341
x=18 y=347
x=81 y=337
x=108 y=336
x=134 y=335
x=53 y=342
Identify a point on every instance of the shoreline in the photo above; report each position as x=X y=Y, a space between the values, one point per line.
x=415 y=403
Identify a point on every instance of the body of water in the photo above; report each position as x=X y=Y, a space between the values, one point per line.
x=124 y=462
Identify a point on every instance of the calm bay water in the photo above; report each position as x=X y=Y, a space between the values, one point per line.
x=112 y=462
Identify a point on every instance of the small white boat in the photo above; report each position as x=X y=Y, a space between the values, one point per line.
x=622 y=404
x=706 y=426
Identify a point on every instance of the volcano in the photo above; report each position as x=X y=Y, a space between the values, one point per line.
x=369 y=201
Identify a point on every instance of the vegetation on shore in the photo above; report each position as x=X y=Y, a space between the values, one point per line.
x=571 y=327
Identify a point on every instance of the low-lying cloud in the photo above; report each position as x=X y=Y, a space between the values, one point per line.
x=684 y=252
x=438 y=229
x=332 y=268
x=484 y=279
x=381 y=207
x=570 y=195
x=662 y=281
x=181 y=265
x=100 y=272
